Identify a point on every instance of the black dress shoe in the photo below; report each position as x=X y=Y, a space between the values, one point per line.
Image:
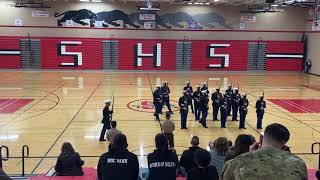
x=205 y=126
x=102 y=140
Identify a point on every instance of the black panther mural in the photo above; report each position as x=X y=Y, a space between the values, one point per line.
x=134 y=17
x=76 y=16
x=169 y=20
x=176 y=18
x=209 y=20
x=110 y=16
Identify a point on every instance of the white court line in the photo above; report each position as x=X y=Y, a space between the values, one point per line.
x=309 y=110
x=5 y=102
x=8 y=104
x=293 y=105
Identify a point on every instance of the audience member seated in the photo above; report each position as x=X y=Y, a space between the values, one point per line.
x=241 y=145
x=187 y=161
x=167 y=128
x=3 y=175
x=118 y=163
x=112 y=132
x=69 y=162
x=267 y=160
x=163 y=162
x=219 y=151
x=318 y=174
x=203 y=171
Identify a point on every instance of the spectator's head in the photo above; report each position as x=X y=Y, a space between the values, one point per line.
x=275 y=135
x=195 y=141
x=318 y=174
x=113 y=124
x=221 y=146
x=243 y=143
x=230 y=143
x=202 y=158
x=161 y=141
x=67 y=148
x=168 y=115
x=120 y=141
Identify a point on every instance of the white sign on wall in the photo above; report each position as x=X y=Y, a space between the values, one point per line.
x=18 y=22
x=98 y=24
x=147 y=17
x=69 y=23
x=147 y=25
x=40 y=13
x=248 y=19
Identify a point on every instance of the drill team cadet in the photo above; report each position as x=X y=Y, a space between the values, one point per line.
x=229 y=93
x=107 y=113
x=196 y=100
x=165 y=90
x=260 y=106
x=157 y=102
x=189 y=91
x=204 y=108
x=243 y=110
x=224 y=111
x=216 y=98
x=204 y=87
x=236 y=97
x=183 y=104
x=118 y=162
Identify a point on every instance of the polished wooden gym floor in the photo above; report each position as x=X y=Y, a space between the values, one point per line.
x=44 y=109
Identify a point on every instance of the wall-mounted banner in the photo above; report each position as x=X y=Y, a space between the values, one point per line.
x=248 y=19
x=40 y=13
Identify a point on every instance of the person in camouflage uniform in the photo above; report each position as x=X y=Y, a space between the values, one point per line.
x=267 y=161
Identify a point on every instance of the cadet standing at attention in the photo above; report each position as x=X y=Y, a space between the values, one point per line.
x=243 y=109
x=260 y=106
x=236 y=97
x=107 y=113
x=183 y=104
x=224 y=111
x=157 y=102
x=165 y=90
x=189 y=90
x=216 y=98
x=196 y=99
x=229 y=93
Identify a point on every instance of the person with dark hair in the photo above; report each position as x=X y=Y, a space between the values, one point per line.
x=118 y=163
x=189 y=90
x=69 y=162
x=223 y=111
x=318 y=174
x=219 y=151
x=204 y=108
x=113 y=132
x=3 y=175
x=260 y=106
x=236 y=97
x=187 y=159
x=204 y=171
x=216 y=98
x=196 y=99
x=183 y=104
x=163 y=162
x=167 y=127
x=157 y=102
x=229 y=93
x=107 y=113
x=267 y=160
x=241 y=146
x=165 y=90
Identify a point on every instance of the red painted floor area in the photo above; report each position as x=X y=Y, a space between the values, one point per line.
x=298 y=105
x=9 y=106
x=313 y=87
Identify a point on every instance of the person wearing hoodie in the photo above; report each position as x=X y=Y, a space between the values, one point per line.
x=118 y=163
x=162 y=162
x=187 y=161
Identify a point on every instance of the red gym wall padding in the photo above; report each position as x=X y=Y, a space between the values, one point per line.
x=237 y=50
x=90 y=49
x=127 y=54
x=284 y=64
x=9 y=61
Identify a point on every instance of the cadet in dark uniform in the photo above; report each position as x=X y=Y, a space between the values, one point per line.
x=229 y=93
x=196 y=99
x=183 y=104
x=243 y=110
x=107 y=113
x=157 y=101
x=204 y=101
x=216 y=98
x=163 y=162
x=236 y=97
x=260 y=106
x=118 y=163
x=224 y=111
x=205 y=87
x=189 y=91
x=165 y=90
